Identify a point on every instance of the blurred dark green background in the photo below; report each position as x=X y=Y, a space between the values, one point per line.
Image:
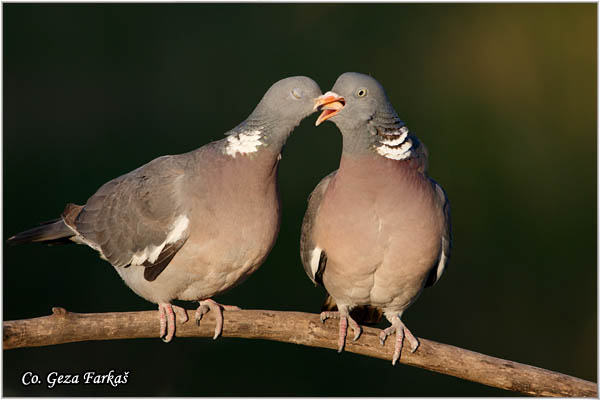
x=503 y=95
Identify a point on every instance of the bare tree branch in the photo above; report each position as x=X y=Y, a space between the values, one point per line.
x=299 y=328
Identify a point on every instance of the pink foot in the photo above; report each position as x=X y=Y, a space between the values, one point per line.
x=401 y=330
x=167 y=320
x=345 y=319
x=211 y=305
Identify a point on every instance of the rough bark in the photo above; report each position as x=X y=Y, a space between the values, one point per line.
x=299 y=328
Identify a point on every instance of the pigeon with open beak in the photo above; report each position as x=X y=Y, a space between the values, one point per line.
x=377 y=230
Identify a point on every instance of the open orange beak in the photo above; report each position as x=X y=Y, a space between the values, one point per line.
x=331 y=103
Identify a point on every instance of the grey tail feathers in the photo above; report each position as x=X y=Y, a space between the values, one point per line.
x=51 y=232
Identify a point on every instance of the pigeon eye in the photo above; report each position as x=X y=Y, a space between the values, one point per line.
x=362 y=92
x=297 y=93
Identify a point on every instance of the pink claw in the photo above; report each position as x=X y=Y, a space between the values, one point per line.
x=167 y=320
x=345 y=320
x=211 y=305
x=401 y=332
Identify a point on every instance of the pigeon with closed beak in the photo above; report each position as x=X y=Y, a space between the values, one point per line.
x=194 y=225
x=377 y=230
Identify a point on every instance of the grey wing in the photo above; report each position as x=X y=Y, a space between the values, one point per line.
x=446 y=245
x=420 y=154
x=138 y=218
x=313 y=258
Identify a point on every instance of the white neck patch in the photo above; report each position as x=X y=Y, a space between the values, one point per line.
x=396 y=148
x=243 y=143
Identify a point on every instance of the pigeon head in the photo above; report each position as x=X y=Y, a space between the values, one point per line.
x=360 y=108
x=282 y=108
x=289 y=100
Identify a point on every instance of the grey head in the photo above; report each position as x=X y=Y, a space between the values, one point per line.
x=360 y=108
x=282 y=108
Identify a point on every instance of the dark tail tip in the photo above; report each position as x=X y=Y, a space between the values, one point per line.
x=20 y=238
x=51 y=232
x=12 y=240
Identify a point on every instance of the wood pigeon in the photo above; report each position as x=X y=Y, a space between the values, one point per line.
x=377 y=230
x=194 y=225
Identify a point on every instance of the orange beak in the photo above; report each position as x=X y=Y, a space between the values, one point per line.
x=331 y=103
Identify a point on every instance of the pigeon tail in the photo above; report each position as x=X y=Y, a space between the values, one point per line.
x=364 y=315
x=51 y=232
